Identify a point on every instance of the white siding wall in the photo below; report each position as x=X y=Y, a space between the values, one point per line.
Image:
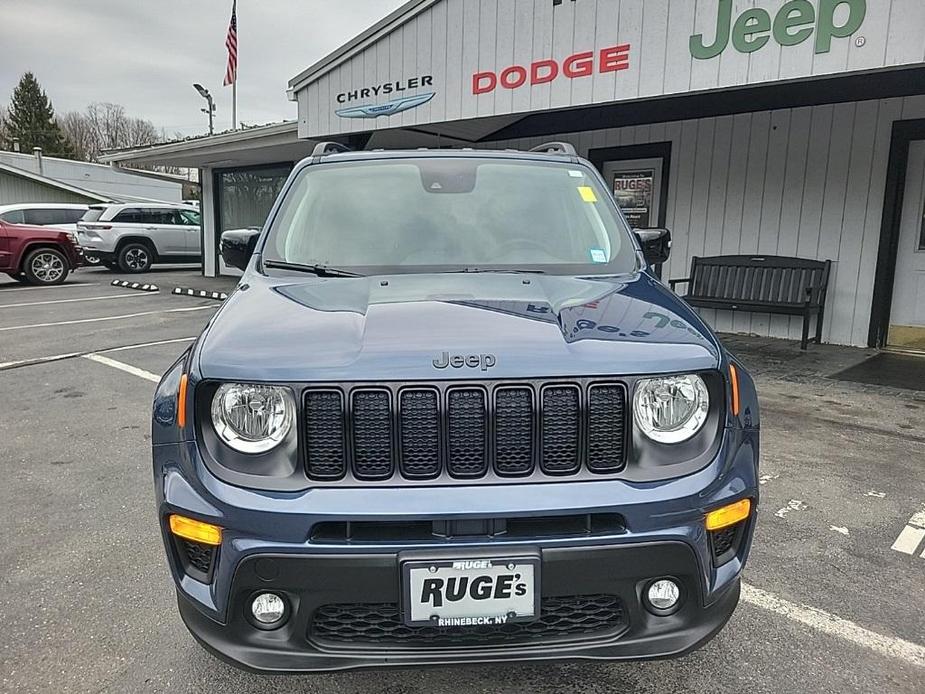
x=805 y=181
x=453 y=39
x=18 y=189
x=99 y=178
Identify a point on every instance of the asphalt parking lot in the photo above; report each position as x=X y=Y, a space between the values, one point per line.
x=87 y=605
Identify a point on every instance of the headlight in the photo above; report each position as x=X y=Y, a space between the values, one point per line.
x=252 y=418
x=671 y=409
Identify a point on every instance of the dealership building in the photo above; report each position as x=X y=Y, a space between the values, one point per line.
x=764 y=127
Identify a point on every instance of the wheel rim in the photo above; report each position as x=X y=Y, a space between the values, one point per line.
x=136 y=258
x=47 y=267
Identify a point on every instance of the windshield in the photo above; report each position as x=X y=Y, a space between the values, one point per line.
x=445 y=214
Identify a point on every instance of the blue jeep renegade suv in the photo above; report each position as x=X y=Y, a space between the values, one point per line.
x=450 y=415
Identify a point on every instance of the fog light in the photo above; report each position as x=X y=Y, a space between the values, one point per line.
x=663 y=595
x=268 y=608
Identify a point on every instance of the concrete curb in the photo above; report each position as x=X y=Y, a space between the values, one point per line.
x=199 y=293
x=135 y=285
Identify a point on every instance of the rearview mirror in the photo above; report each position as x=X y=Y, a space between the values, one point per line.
x=237 y=246
x=656 y=245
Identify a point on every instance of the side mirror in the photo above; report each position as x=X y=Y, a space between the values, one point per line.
x=237 y=246
x=656 y=244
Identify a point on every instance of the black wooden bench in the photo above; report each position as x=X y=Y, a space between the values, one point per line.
x=761 y=283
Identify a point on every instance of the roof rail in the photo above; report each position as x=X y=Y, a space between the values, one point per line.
x=324 y=148
x=556 y=148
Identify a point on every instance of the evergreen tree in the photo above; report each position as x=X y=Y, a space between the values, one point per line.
x=31 y=118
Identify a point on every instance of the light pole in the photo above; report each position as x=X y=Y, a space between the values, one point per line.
x=204 y=93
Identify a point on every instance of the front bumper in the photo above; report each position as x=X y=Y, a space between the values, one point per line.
x=313 y=584
x=269 y=543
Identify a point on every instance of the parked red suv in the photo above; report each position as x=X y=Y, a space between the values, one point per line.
x=37 y=255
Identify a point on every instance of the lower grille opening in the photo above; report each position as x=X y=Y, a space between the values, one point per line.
x=724 y=543
x=380 y=624
x=197 y=559
x=533 y=527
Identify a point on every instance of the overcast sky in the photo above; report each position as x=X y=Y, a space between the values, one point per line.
x=145 y=54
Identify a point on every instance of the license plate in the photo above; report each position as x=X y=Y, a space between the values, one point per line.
x=470 y=592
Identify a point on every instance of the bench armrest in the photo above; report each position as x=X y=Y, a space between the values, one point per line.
x=674 y=283
x=815 y=296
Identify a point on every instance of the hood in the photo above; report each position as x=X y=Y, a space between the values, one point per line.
x=451 y=326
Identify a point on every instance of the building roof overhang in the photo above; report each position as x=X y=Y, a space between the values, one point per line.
x=251 y=146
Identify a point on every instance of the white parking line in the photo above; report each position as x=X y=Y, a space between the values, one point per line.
x=53 y=286
x=835 y=626
x=146 y=344
x=71 y=355
x=71 y=301
x=39 y=360
x=108 y=318
x=127 y=368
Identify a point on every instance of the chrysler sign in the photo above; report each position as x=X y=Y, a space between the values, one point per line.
x=395 y=105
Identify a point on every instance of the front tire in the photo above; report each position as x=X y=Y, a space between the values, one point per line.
x=135 y=257
x=45 y=266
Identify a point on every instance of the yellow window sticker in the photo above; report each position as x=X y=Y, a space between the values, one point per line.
x=587 y=193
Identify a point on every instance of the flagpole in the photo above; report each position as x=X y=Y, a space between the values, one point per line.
x=234 y=85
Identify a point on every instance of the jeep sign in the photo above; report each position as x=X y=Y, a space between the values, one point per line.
x=794 y=23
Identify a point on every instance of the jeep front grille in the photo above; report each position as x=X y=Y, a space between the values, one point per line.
x=379 y=625
x=474 y=431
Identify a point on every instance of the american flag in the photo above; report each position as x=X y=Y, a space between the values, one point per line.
x=231 y=43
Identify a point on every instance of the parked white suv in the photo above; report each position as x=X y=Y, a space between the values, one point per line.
x=134 y=236
x=40 y=214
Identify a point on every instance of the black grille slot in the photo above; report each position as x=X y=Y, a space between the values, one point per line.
x=372 y=434
x=606 y=427
x=725 y=542
x=419 y=419
x=489 y=529
x=199 y=556
x=197 y=559
x=561 y=429
x=466 y=432
x=324 y=434
x=514 y=431
x=380 y=625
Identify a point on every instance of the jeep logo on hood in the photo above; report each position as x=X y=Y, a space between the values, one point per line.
x=457 y=361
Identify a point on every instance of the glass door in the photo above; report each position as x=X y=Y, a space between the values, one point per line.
x=907 y=314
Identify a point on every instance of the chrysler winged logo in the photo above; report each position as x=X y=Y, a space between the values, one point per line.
x=390 y=108
x=457 y=361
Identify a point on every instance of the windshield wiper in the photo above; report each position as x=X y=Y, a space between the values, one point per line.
x=515 y=271
x=319 y=270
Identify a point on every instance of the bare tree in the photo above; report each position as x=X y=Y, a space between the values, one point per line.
x=106 y=126
x=79 y=132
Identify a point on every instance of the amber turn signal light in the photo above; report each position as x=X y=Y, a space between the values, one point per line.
x=729 y=515
x=181 y=401
x=197 y=531
x=734 y=383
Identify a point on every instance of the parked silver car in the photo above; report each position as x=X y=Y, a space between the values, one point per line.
x=134 y=236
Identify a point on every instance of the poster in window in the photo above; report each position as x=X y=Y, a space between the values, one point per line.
x=633 y=192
